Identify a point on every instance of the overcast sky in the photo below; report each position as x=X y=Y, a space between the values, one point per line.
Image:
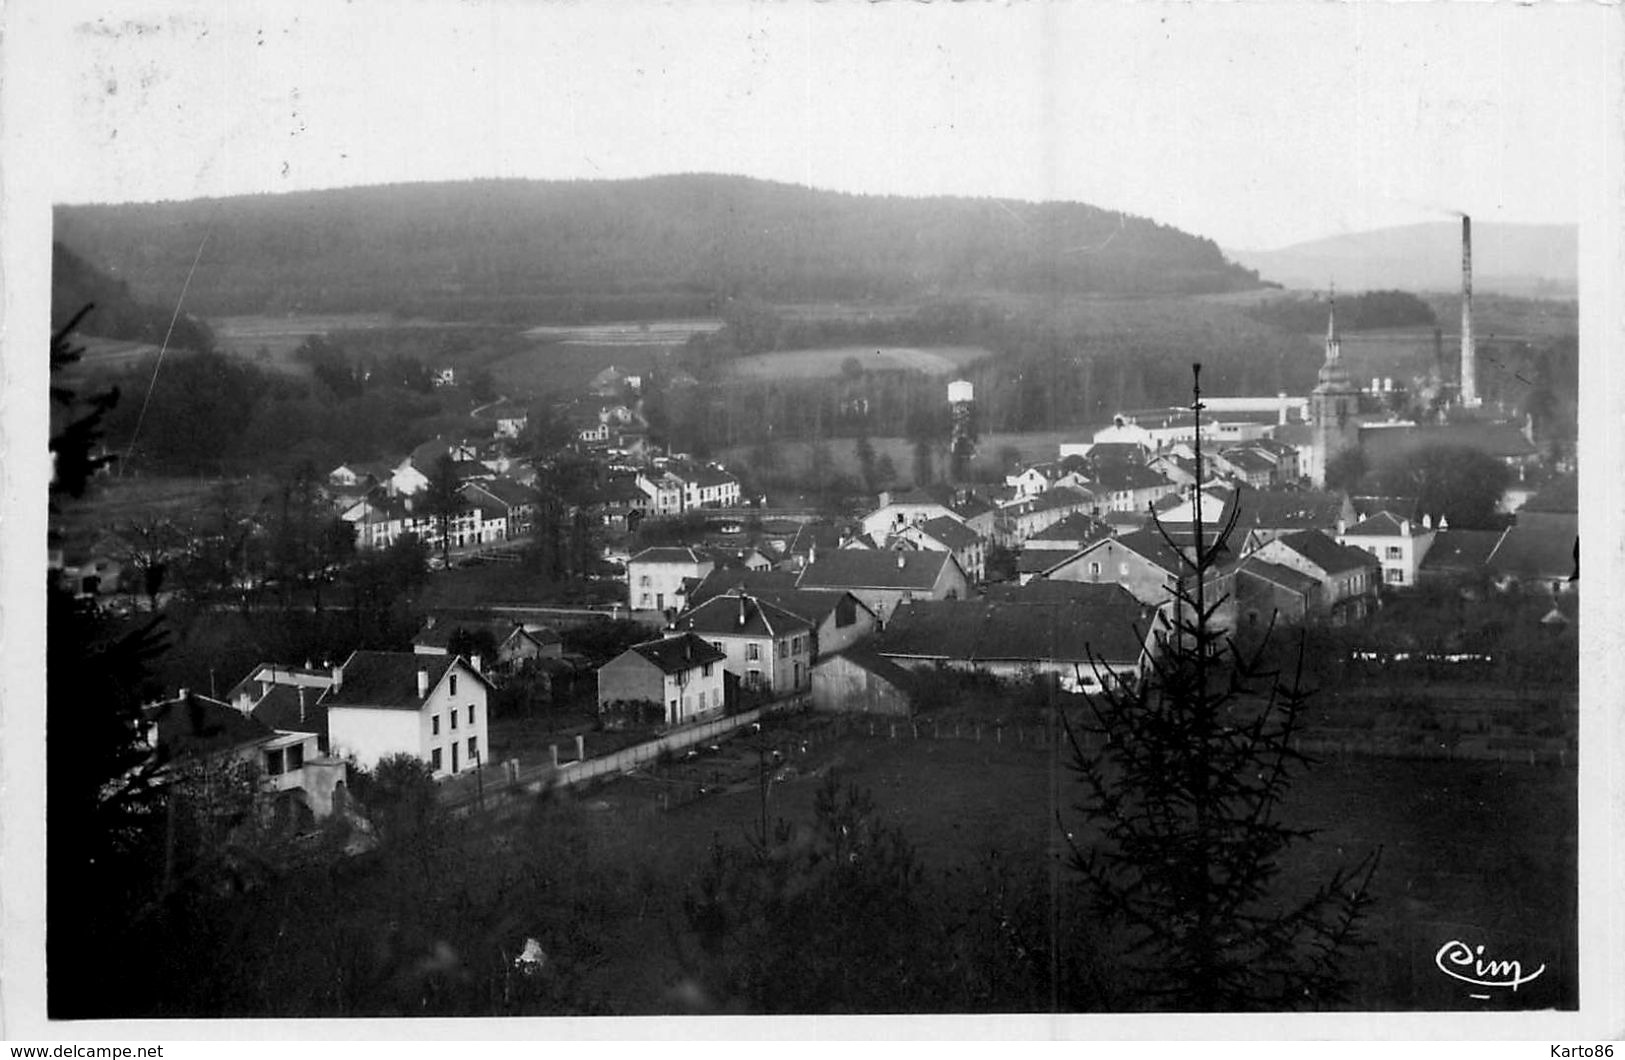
x=1255 y=124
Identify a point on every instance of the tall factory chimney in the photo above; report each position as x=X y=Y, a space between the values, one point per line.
x=1469 y=359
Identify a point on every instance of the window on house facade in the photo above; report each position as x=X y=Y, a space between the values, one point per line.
x=471 y=713
x=296 y=757
x=434 y=759
x=434 y=725
x=1094 y=568
x=705 y=671
x=784 y=649
x=453 y=691
x=753 y=652
x=473 y=748
x=1396 y=576
x=717 y=644
x=1395 y=552
x=454 y=719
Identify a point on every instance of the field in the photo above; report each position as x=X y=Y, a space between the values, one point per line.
x=1475 y=851
x=116 y=501
x=658 y=333
x=827 y=363
x=565 y=368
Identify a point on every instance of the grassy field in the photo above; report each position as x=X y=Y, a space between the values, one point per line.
x=565 y=368
x=657 y=333
x=827 y=363
x=116 y=501
x=1479 y=852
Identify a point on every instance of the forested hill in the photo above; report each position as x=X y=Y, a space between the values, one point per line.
x=117 y=313
x=534 y=250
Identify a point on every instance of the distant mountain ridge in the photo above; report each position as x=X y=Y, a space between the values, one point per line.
x=1531 y=260
x=583 y=250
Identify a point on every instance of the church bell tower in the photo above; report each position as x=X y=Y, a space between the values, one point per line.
x=1332 y=406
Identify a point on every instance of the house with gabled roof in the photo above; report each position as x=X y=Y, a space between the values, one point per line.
x=290 y=764
x=905 y=509
x=1399 y=545
x=704 y=486
x=1145 y=564
x=1536 y=556
x=1079 y=647
x=1349 y=577
x=432 y=707
x=1457 y=554
x=658 y=578
x=1022 y=519
x=944 y=534
x=838 y=619
x=768 y=647
x=885 y=578
x=858 y=681
x=1270 y=591
x=515 y=644
x=675 y=679
x=516 y=503
x=1124 y=487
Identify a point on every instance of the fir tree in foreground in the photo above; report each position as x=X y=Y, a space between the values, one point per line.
x=1184 y=773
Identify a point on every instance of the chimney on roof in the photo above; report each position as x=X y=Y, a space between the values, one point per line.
x=474 y=662
x=423 y=684
x=741 y=610
x=301 y=704
x=901 y=561
x=338 y=678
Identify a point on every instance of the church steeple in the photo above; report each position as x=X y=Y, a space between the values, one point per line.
x=1334 y=342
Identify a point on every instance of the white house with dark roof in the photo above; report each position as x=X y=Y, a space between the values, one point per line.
x=432 y=707
x=706 y=486
x=1399 y=545
x=679 y=677
x=658 y=578
x=885 y=578
x=768 y=647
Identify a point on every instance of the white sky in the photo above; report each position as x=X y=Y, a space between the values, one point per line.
x=1257 y=124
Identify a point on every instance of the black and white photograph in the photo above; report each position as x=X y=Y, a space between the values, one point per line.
x=1066 y=514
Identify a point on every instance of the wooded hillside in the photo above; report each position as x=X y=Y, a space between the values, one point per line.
x=596 y=250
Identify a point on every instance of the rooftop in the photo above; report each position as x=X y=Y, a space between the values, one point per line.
x=387 y=679
x=740 y=615
x=995 y=631
x=194 y=724
x=675 y=654
x=1327 y=554
x=862 y=568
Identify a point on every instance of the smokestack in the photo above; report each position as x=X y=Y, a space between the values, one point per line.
x=1469 y=365
x=1281 y=421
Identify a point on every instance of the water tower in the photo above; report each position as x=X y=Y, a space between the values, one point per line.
x=962 y=408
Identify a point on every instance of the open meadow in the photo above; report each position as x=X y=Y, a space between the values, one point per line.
x=1480 y=852
x=830 y=362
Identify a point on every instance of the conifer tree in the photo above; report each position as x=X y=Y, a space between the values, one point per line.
x=1184 y=773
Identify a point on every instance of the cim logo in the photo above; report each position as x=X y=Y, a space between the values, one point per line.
x=1466 y=963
